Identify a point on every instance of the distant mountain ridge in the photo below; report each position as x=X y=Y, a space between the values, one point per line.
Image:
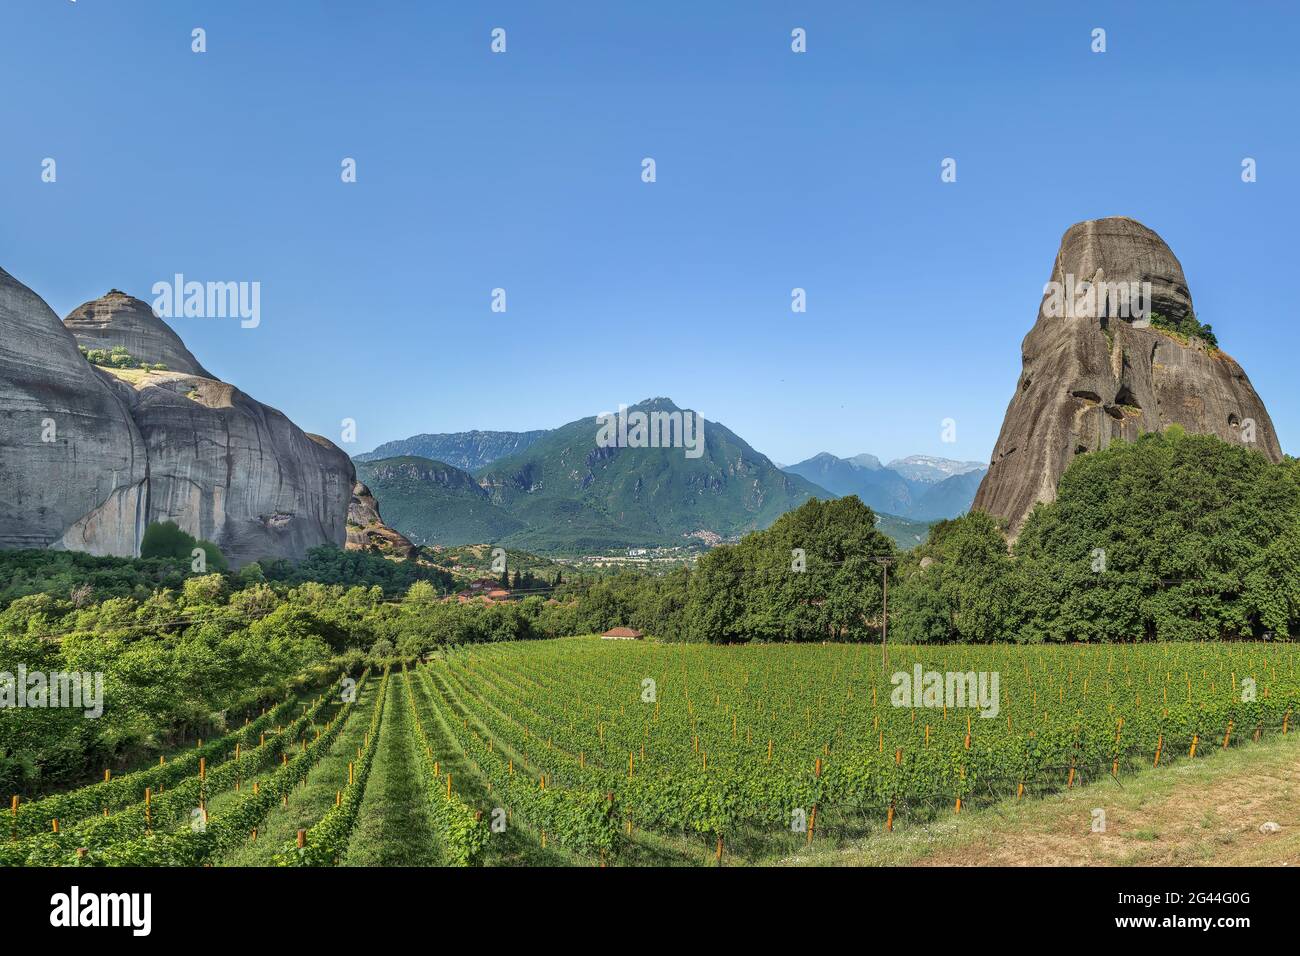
x=467 y=451
x=563 y=491
x=919 y=487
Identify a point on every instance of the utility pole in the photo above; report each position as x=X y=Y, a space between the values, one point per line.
x=884 y=617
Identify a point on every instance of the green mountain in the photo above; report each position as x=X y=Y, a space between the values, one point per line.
x=568 y=493
x=948 y=498
x=906 y=532
x=574 y=494
x=465 y=450
x=432 y=502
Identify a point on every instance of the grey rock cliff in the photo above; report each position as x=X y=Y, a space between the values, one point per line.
x=120 y=319
x=72 y=462
x=1088 y=381
x=135 y=447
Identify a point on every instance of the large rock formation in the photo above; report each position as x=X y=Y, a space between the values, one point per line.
x=1091 y=378
x=133 y=447
x=367 y=531
x=73 y=465
x=118 y=319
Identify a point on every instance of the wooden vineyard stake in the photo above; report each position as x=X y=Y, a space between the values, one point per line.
x=302 y=838
x=812 y=824
x=350 y=773
x=543 y=839
x=436 y=774
x=55 y=824
x=203 y=768
x=449 y=785
x=108 y=775
x=1020 y=790
x=958 y=810
x=1069 y=783
x=1114 y=768
x=511 y=766
x=769 y=749
x=338 y=797
x=719 y=849
x=1160 y=742
x=927 y=735
x=81 y=854
x=889 y=817
x=882 y=743
x=1227 y=735
x=1286 y=718
x=263 y=740
x=629 y=765
x=1195 y=740
x=898 y=756
x=255 y=786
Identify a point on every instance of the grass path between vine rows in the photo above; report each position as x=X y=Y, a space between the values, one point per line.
x=518 y=844
x=1205 y=812
x=307 y=804
x=394 y=827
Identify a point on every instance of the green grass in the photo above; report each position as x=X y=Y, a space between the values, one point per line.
x=393 y=825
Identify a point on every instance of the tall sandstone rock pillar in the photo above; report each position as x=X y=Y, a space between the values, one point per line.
x=1091 y=379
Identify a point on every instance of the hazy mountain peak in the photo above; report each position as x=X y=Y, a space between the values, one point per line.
x=932 y=468
x=866 y=461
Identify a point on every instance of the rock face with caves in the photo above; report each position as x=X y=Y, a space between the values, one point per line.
x=91 y=456
x=1091 y=379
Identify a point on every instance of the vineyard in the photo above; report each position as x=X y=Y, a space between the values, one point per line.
x=588 y=752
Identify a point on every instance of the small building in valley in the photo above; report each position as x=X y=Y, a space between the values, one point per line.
x=622 y=634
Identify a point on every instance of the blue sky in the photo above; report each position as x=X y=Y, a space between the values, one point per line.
x=522 y=171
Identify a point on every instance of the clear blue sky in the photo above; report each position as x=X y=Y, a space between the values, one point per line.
x=775 y=170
